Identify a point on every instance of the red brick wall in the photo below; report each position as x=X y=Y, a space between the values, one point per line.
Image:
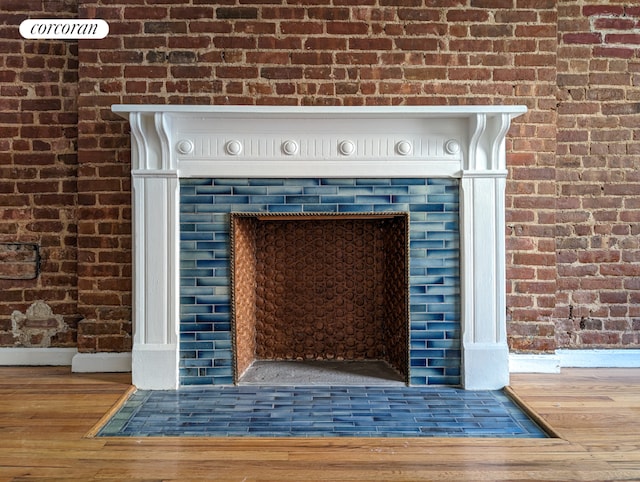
x=598 y=177
x=319 y=52
x=352 y=52
x=38 y=162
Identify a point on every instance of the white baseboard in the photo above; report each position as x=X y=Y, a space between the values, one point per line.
x=518 y=362
x=600 y=358
x=533 y=363
x=37 y=356
x=101 y=362
x=553 y=362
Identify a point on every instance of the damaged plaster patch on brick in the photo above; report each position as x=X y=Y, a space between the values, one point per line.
x=36 y=327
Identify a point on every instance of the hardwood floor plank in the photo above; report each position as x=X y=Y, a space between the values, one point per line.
x=46 y=412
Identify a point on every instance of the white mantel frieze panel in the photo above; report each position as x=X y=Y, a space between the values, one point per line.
x=466 y=142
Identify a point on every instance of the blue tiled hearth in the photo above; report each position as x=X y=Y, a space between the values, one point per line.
x=335 y=411
x=205 y=204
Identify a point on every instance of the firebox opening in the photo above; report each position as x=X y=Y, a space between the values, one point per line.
x=319 y=288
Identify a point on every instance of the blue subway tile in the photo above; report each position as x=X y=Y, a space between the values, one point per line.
x=187 y=263
x=392 y=191
x=251 y=190
x=194 y=236
x=220 y=345
x=412 y=199
x=337 y=199
x=186 y=379
x=213 y=281
x=372 y=199
x=211 y=263
x=408 y=181
x=427 y=299
x=211 y=317
x=380 y=208
x=355 y=208
x=196 y=182
x=216 y=190
x=230 y=182
x=431 y=208
x=186 y=199
x=284 y=208
x=231 y=199
x=427 y=335
x=373 y=182
x=320 y=208
x=337 y=182
x=268 y=199
x=197 y=345
x=196 y=309
x=321 y=190
x=355 y=190
x=428 y=235
x=444 y=344
x=302 y=199
x=197 y=363
x=196 y=327
x=195 y=254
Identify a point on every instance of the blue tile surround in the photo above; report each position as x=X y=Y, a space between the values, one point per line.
x=205 y=309
x=237 y=411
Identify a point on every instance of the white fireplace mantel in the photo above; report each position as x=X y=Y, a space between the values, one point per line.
x=172 y=142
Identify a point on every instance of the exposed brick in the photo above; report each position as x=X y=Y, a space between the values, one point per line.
x=347 y=28
x=281 y=72
x=191 y=13
x=145 y=13
x=326 y=13
x=619 y=52
x=376 y=44
x=196 y=72
x=421 y=44
x=165 y=27
x=349 y=52
x=470 y=15
x=426 y=15
x=38 y=119
x=235 y=72
x=615 y=23
x=582 y=38
x=147 y=71
x=236 y=13
x=628 y=38
x=497 y=30
x=492 y=3
x=603 y=9
x=329 y=43
x=19 y=261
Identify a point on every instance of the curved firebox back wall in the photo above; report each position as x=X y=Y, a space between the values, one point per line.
x=205 y=287
x=323 y=286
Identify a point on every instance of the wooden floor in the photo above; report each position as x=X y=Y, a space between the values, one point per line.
x=45 y=414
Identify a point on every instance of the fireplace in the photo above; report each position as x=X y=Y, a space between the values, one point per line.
x=227 y=150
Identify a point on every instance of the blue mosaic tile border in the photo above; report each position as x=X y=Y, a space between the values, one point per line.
x=205 y=309
x=230 y=411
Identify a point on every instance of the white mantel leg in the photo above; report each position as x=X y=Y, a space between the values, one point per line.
x=485 y=353
x=156 y=289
